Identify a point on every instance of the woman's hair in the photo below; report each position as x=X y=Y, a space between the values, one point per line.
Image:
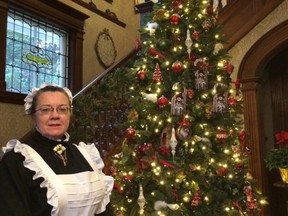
x=48 y=88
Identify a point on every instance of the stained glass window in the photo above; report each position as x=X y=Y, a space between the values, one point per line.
x=36 y=52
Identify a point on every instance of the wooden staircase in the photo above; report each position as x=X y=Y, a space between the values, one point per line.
x=101 y=125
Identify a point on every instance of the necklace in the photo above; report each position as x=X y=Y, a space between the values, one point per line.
x=60 y=152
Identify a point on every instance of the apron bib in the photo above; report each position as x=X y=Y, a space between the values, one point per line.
x=78 y=194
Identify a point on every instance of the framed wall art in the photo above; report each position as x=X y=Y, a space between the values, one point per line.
x=105 y=49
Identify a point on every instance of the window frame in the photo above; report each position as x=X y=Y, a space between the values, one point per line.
x=57 y=13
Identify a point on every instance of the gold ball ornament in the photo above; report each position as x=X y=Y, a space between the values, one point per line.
x=159 y=15
x=133 y=115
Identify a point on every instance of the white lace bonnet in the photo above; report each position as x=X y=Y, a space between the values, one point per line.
x=29 y=98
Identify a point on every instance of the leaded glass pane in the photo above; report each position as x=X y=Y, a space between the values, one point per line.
x=36 y=52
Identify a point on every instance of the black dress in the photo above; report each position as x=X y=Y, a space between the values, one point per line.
x=20 y=195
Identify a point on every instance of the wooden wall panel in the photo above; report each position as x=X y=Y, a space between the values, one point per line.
x=240 y=16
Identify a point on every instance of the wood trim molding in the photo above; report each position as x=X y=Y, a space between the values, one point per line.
x=60 y=14
x=251 y=75
x=101 y=13
x=254 y=129
x=13 y=98
x=265 y=48
x=239 y=17
x=3 y=33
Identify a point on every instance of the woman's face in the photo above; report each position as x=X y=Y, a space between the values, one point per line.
x=52 y=116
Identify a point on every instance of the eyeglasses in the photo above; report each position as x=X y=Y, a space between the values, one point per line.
x=47 y=110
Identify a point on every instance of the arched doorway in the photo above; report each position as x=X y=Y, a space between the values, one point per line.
x=254 y=75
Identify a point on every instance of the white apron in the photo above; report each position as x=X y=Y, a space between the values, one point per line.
x=80 y=194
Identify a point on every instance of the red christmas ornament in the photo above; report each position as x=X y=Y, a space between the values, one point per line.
x=128 y=177
x=175 y=194
x=242 y=137
x=164 y=151
x=232 y=101
x=129 y=133
x=141 y=75
x=157 y=74
x=142 y=148
x=192 y=58
x=174 y=19
x=117 y=188
x=209 y=10
x=184 y=122
x=222 y=135
x=177 y=67
x=137 y=44
x=190 y=93
x=162 y=102
x=237 y=84
x=249 y=198
x=195 y=35
x=143 y=162
x=177 y=4
x=196 y=199
x=222 y=171
x=228 y=67
x=206 y=24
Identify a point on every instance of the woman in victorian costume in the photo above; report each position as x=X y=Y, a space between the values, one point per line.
x=48 y=175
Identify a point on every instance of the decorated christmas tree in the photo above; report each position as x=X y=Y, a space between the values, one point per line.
x=185 y=150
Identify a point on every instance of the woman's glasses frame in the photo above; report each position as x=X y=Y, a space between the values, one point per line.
x=48 y=110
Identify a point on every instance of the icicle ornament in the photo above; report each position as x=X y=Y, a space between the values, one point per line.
x=141 y=200
x=188 y=42
x=173 y=142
